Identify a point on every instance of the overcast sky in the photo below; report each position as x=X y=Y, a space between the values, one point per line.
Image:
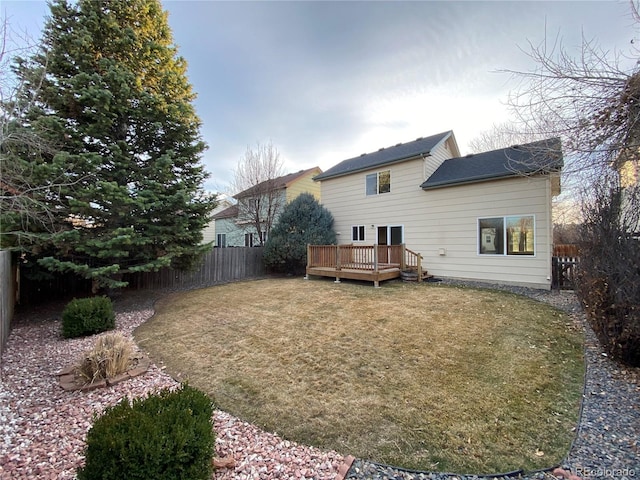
x=327 y=81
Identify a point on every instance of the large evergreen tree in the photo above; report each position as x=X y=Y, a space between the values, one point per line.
x=303 y=221
x=113 y=97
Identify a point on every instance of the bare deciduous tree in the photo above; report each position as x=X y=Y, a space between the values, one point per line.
x=502 y=135
x=259 y=195
x=26 y=196
x=592 y=102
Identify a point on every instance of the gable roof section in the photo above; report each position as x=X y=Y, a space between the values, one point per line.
x=229 y=212
x=544 y=156
x=276 y=183
x=386 y=156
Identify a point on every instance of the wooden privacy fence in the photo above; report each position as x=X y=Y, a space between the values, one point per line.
x=7 y=297
x=218 y=266
x=564 y=266
x=564 y=271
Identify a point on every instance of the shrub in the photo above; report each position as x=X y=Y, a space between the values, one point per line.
x=168 y=435
x=303 y=221
x=608 y=281
x=86 y=316
x=110 y=356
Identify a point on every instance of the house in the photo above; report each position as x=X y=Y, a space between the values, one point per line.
x=483 y=217
x=209 y=232
x=236 y=226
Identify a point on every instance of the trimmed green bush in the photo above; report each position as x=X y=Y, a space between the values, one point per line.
x=303 y=221
x=86 y=316
x=168 y=435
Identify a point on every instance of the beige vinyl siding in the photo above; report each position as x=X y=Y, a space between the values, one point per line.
x=448 y=218
x=439 y=155
x=209 y=232
x=346 y=199
x=452 y=223
x=304 y=184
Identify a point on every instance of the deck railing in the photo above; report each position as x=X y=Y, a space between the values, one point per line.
x=363 y=257
x=413 y=261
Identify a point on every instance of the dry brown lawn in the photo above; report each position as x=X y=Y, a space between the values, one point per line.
x=421 y=376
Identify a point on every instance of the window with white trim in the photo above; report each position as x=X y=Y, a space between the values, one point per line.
x=248 y=239
x=377 y=183
x=357 y=233
x=221 y=240
x=512 y=235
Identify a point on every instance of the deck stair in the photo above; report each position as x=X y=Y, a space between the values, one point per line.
x=414 y=267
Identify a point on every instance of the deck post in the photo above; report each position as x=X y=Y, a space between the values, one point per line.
x=338 y=259
x=306 y=276
x=403 y=257
x=419 y=268
x=375 y=258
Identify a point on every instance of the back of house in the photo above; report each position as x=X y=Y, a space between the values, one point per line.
x=484 y=217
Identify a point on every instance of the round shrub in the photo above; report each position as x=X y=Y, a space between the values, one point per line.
x=168 y=435
x=86 y=316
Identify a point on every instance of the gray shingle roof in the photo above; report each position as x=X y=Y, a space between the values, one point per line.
x=538 y=157
x=385 y=156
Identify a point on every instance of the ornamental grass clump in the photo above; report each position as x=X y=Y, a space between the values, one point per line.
x=87 y=316
x=166 y=436
x=111 y=356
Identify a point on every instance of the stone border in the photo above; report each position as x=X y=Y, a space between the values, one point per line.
x=69 y=381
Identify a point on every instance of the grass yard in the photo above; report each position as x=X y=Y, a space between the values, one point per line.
x=420 y=376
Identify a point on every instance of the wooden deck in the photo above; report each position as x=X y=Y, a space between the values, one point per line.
x=374 y=263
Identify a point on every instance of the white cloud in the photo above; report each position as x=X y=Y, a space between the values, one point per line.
x=325 y=81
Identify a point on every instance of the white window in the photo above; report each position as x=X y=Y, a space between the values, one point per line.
x=377 y=183
x=248 y=239
x=513 y=235
x=357 y=233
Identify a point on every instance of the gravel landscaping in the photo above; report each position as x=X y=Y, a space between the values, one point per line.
x=42 y=427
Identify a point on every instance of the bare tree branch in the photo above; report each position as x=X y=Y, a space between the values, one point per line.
x=259 y=196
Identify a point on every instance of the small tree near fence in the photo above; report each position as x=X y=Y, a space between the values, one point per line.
x=303 y=221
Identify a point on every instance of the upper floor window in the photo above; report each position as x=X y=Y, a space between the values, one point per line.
x=379 y=182
x=506 y=235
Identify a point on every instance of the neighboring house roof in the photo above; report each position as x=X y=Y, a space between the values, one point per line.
x=543 y=156
x=385 y=156
x=276 y=183
x=229 y=212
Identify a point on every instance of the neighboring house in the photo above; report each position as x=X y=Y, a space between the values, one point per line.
x=209 y=232
x=628 y=166
x=484 y=217
x=234 y=226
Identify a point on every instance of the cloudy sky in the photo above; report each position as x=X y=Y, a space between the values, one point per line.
x=325 y=81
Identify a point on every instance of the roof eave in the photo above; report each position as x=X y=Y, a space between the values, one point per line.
x=486 y=178
x=372 y=167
